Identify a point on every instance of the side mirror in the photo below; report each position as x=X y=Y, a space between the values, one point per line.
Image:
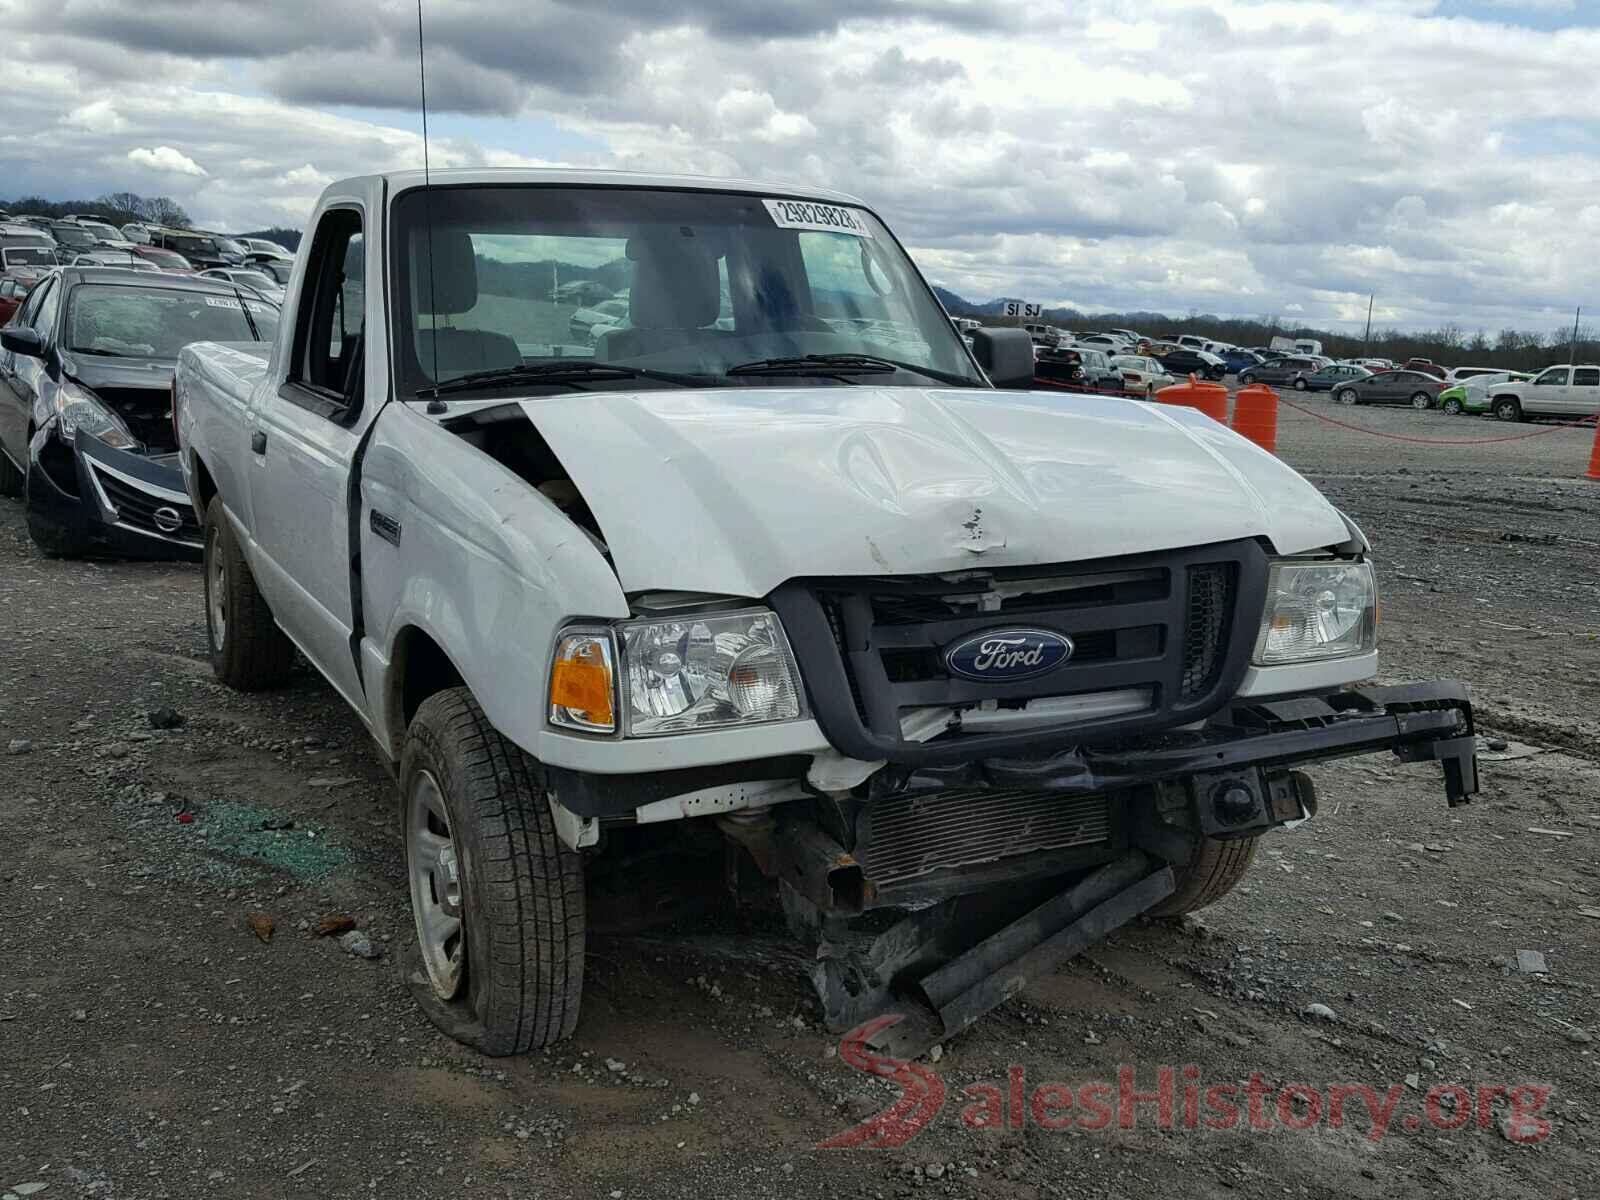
x=23 y=341
x=1006 y=356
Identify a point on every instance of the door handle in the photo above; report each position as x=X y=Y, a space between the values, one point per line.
x=258 y=442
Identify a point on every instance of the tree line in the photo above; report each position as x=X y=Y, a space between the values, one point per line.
x=119 y=208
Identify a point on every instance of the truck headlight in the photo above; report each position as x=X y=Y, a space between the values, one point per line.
x=1318 y=610
x=79 y=408
x=706 y=670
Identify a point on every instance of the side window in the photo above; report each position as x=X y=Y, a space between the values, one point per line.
x=1586 y=377
x=44 y=317
x=1555 y=375
x=328 y=345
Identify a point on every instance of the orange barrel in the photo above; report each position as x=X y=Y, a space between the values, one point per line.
x=1255 y=415
x=1209 y=398
x=1594 y=455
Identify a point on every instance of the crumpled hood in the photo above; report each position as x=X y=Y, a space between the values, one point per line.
x=103 y=371
x=732 y=491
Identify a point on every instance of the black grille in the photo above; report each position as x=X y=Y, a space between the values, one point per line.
x=137 y=509
x=1205 y=637
x=906 y=836
x=1170 y=629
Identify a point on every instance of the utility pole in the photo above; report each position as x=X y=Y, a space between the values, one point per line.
x=1572 y=346
x=1366 y=338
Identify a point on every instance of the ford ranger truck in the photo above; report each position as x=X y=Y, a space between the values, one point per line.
x=959 y=675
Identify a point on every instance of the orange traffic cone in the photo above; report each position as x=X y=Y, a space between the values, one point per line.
x=1594 y=455
x=1209 y=398
x=1255 y=415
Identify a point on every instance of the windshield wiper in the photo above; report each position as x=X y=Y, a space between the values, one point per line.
x=842 y=364
x=558 y=370
x=255 y=334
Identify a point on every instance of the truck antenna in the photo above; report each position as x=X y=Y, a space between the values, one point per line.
x=435 y=405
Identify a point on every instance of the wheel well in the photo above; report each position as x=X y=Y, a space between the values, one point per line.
x=423 y=669
x=203 y=483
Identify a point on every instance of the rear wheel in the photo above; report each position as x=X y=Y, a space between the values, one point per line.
x=1247 y=377
x=1508 y=408
x=497 y=896
x=1217 y=868
x=248 y=650
x=1452 y=406
x=1300 y=383
x=1421 y=401
x=1348 y=396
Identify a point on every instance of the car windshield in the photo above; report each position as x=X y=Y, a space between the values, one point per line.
x=691 y=284
x=194 y=245
x=278 y=271
x=157 y=322
x=28 y=256
x=165 y=258
x=72 y=235
x=104 y=232
x=253 y=279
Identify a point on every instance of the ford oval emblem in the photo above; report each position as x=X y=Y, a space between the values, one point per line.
x=1002 y=655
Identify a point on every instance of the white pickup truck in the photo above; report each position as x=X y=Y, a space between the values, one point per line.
x=774 y=561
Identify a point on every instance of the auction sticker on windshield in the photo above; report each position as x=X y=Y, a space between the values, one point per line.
x=255 y=305
x=808 y=214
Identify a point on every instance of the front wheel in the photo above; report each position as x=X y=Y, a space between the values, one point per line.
x=1507 y=408
x=1217 y=868
x=248 y=651
x=1348 y=396
x=497 y=896
x=1247 y=378
x=1452 y=406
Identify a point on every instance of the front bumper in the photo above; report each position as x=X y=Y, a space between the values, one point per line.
x=110 y=500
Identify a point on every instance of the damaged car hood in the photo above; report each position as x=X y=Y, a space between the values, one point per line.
x=732 y=490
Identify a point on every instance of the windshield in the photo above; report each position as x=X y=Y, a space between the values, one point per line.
x=228 y=246
x=165 y=258
x=278 y=271
x=28 y=256
x=72 y=235
x=103 y=232
x=194 y=245
x=253 y=279
x=688 y=283
x=153 y=322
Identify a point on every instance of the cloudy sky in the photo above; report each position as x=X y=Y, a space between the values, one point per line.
x=1251 y=157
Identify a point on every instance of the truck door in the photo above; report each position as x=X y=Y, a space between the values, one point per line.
x=303 y=442
x=1583 y=393
x=1548 y=393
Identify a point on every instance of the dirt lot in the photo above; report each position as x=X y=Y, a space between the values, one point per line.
x=152 y=1046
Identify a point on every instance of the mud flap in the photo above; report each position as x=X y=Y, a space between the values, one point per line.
x=910 y=969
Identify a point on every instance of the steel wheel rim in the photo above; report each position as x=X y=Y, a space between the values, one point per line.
x=216 y=591
x=1347 y=397
x=436 y=894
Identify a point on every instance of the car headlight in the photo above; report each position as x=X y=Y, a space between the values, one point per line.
x=1318 y=610
x=79 y=408
x=677 y=675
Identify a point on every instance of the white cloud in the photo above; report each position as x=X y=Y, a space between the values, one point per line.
x=165 y=159
x=1238 y=156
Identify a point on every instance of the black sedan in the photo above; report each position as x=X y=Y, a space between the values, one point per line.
x=86 y=433
x=1184 y=361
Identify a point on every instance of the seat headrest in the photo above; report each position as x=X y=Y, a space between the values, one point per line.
x=453 y=282
x=675 y=283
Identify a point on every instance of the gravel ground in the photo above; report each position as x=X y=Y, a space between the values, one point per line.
x=153 y=1045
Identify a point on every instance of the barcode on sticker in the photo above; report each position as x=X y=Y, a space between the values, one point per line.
x=825 y=218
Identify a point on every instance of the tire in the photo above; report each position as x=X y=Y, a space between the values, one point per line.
x=1348 y=396
x=11 y=479
x=1247 y=378
x=249 y=652
x=516 y=980
x=1217 y=868
x=1452 y=406
x=1508 y=408
x=1299 y=383
x=1421 y=401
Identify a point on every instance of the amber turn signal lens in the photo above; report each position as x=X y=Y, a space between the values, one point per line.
x=582 y=684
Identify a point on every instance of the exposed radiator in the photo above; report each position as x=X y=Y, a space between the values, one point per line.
x=906 y=836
